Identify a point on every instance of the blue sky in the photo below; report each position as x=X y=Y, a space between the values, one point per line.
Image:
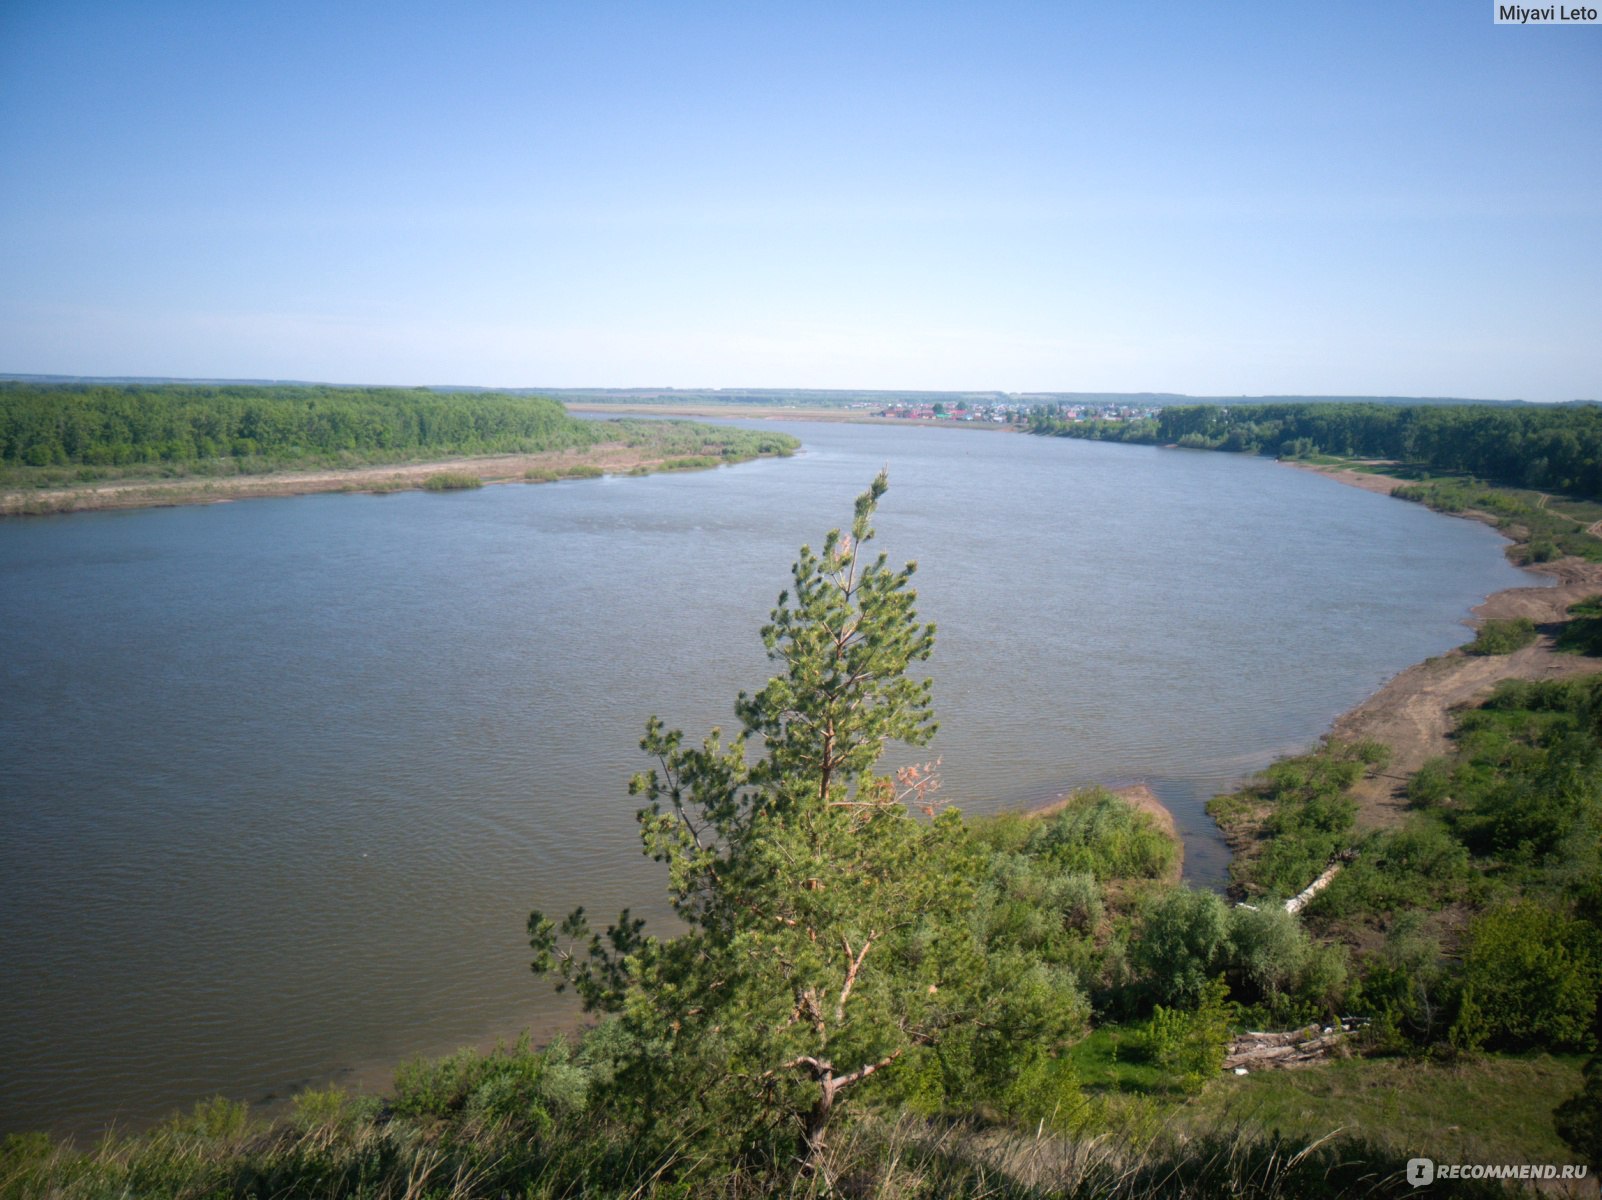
x=1340 y=198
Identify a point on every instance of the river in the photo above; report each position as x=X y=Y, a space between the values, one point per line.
x=283 y=778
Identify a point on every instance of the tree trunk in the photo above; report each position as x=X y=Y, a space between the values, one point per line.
x=817 y=1126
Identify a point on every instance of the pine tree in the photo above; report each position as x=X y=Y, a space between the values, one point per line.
x=827 y=930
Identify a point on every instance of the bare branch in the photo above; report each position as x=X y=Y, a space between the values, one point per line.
x=851 y=975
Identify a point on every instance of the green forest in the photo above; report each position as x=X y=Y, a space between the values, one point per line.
x=866 y=994
x=1555 y=448
x=115 y=426
x=70 y=435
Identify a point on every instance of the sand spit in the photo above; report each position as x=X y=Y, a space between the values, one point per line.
x=157 y=493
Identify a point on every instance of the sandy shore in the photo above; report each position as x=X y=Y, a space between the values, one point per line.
x=153 y=493
x=1412 y=714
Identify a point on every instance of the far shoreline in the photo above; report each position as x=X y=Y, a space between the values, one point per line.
x=383 y=478
x=549 y=466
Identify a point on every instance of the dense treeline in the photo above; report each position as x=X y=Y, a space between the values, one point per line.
x=1549 y=448
x=118 y=426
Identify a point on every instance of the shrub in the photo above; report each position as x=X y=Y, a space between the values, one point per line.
x=1431 y=783
x=1100 y=834
x=520 y=1085
x=1182 y=945
x=1502 y=636
x=216 y=1118
x=1268 y=950
x=1045 y=1093
x=1323 y=979
x=1530 y=977
x=1190 y=1044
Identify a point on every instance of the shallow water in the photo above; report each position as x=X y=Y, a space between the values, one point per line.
x=283 y=778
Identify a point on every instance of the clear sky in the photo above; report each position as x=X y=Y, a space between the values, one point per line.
x=1334 y=197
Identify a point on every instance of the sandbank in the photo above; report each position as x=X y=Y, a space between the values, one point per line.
x=609 y=458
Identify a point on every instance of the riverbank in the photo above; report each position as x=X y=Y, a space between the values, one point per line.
x=609 y=458
x=1412 y=714
x=765 y=412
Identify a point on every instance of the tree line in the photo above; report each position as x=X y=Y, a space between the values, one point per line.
x=1550 y=448
x=60 y=425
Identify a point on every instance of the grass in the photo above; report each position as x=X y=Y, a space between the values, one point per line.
x=1541 y=525
x=1495 y=1109
x=517 y=1121
x=329 y=1150
x=572 y=471
x=1108 y=1060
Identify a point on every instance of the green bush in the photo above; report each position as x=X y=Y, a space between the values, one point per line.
x=1431 y=783
x=1182 y=945
x=1420 y=864
x=525 y=1087
x=1190 y=1044
x=1102 y=835
x=1268 y=951
x=215 y=1118
x=1531 y=977
x=1502 y=636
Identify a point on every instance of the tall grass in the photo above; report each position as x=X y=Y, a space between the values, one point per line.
x=904 y=1158
x=452 y=481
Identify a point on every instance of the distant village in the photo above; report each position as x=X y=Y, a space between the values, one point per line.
x=1010 y=413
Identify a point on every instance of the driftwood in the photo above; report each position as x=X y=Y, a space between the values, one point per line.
x=1299 y=901
x=1277 y=1051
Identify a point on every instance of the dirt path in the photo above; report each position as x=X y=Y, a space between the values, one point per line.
x=1412 y=714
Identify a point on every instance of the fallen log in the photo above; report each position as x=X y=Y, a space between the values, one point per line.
x=1299 y=901
x=1295 y=1048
